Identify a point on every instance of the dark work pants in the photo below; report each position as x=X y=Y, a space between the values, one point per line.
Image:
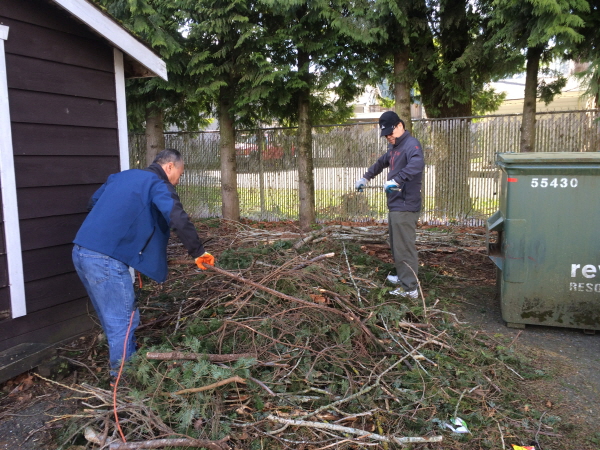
x=403 y=235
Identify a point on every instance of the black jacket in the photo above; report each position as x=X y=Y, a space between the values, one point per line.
x=406 y=163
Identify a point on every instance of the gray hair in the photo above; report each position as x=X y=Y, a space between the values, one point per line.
x=168 y=155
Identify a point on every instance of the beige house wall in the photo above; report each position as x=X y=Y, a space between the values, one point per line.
x=567 y=101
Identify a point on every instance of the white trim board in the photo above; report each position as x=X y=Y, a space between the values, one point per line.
x=121 y=109
x=115 y=34
x=122 y=119
x=10 y=209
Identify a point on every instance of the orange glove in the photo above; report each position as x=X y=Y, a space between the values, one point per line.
x=205 y=258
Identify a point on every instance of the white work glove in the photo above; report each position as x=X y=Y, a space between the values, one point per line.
x=391 y=186
x=361 y=184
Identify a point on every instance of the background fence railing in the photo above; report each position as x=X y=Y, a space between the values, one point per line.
x=460 y=180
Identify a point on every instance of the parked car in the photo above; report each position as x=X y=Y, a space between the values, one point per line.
x=272 y=151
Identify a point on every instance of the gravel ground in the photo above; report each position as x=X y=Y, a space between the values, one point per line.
x=576 y=392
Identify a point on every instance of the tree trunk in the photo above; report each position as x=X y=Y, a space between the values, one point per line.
x=260 y=143
x=306 y=181
x=402 y=87
x=155 y=136
x=229 y=193
x=450 y=157
x=529 y=106
x=597 y=96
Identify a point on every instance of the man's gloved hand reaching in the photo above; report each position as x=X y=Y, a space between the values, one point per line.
x=205 y=258
x=361 y=184
x=391 y=186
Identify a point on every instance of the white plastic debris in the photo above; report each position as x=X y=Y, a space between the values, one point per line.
x=457 y=425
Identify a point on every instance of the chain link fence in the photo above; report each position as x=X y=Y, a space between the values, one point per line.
x=460 y=180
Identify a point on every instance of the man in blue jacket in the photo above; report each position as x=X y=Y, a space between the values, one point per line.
x=404 y=158
x=129 y=224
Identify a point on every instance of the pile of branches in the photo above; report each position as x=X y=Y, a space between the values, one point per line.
x=297 y=346
x=428 y=239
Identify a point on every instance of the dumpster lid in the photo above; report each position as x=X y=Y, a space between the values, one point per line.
x=549 y=158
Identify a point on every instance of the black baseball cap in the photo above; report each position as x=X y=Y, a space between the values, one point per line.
x=388 y=121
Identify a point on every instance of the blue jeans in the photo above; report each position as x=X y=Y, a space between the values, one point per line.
x=110 y=288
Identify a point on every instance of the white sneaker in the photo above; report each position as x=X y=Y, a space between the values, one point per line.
x=406 y=294
x=393 y=279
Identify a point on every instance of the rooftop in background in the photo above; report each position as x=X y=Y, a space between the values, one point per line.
x=367 y=108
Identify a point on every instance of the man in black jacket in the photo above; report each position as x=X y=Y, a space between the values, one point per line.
x=403 y=188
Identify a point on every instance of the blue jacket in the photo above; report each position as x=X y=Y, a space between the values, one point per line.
x=130 y=220
x=406 y=163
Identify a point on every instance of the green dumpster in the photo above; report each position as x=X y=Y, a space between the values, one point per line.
x=545 y=239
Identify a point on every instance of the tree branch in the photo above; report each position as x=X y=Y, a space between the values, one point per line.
x=235 y=379
x=366 y=434
x=162 y=443
x=169 y=356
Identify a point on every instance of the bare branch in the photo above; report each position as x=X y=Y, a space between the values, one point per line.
x=162 y=443
x=365 y=434
x=169 y=356
x=235 y=379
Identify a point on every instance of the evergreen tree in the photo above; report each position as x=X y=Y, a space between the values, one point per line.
x=588 y=51
x=320 y=68
x=542 y=30
x=440 y=43
x=394 y=23
x=453 y=61
x=153 y=103
x=230 y=68
x=452 y=65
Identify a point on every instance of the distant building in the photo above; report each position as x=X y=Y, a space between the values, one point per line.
x=570 y=99
x=368 y=109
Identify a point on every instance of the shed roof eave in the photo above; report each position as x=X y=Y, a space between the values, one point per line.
x=118 y=36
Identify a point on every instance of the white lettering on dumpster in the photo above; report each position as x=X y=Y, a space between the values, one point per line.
x=588 y=271
x=584 y=287
x=554 y=182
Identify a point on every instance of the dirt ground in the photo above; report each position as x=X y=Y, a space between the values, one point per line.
x=571 y=355
x=29 y=405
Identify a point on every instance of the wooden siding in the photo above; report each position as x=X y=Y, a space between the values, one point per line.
x=49 y=231
x=45 y=14
x=47 y=262
x=48 y=76
x=54 y=200
x=51 y=45
x=53 y=291
x=40 y=107
x=67 y=320
x=4 y=303
x=4 y=290
x=64 y=124
x=63 y=170
x=48 y=140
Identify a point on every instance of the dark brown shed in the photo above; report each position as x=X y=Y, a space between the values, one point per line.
x=63 y=130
